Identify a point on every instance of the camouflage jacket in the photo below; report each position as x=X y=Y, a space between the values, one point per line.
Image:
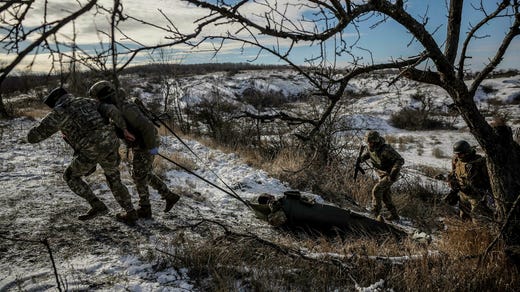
x=127 y=115
x=470 y=175
x=385 y=159
x=80 y=123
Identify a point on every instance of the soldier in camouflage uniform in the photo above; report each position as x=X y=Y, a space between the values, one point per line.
x=469 y=176
x=126 y=115
x=387 y=163
x=94 y=142
x=298 y=212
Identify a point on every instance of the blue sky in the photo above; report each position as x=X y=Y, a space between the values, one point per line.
x=386 y=41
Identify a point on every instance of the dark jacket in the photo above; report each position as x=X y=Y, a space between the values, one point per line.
x=127 y=115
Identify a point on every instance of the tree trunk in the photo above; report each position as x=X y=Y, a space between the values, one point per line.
x=504 y=170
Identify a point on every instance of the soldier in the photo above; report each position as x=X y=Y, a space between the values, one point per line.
x=93 y=141
x=126 y=114
x=387 y=163
x=469 y=176
x=301 y=212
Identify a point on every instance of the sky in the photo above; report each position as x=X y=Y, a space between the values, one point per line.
x=387 y=41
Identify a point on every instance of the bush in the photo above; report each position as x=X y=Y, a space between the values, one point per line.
x=438 y=153
x=414 y=119
x=261 y=99
x=487 y=89
x=516 y=98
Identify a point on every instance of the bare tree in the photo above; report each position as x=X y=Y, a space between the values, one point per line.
x=13 y=13
x=441 y=63
x=116 y=49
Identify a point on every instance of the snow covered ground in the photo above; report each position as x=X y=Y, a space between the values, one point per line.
x=101 y=254
x=37 y=204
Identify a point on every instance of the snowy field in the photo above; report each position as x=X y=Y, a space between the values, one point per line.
x=102 y=254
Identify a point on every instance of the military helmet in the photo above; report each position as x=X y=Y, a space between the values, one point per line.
x=461 y=146
x=265 y=198
x=373 y=137
x=54 y=95
x=101 y=90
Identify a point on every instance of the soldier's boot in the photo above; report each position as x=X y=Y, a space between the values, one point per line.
x=380 y=218
x=97 y=208
x=393 y=215
x=375 y=210
x=144 y=212
x=171 y=199
x=129 y=217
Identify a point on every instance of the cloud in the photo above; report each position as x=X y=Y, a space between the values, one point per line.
x=154 y=17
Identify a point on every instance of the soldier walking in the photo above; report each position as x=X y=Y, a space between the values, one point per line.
x=94 y=142
x=469 y=176
x=387 y=163
x=126 y=115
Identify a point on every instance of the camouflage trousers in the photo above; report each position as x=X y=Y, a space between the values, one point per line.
x=381 y=192
x=83 y=164
x=474 y=208
x=143 y=176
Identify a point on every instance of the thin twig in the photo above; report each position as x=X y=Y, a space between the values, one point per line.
x=45 y=242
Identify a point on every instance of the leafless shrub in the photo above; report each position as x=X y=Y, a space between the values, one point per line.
x=429 y=171
x=414 y=119
x=488 y=89
x=495 y=101
x=515 y=99
x=161 y=166
x=263 y=99
x=438 y=153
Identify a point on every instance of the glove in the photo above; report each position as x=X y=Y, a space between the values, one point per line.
x=154 y=151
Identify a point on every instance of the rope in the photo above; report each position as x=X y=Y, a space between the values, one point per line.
x=233 y=194
x=157 y=118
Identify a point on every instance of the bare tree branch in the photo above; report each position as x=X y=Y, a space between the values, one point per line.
x=453 y=32
x=6 y=70
x=514 y=31
x=473 y=31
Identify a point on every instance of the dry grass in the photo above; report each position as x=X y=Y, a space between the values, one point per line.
x=34 y=113
x=238 y=261
x=161 y=166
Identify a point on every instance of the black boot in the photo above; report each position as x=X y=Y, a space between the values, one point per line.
x=128 y=218
x=171 y=199
x=393 y=215
x=97 y=208
x=144 y=212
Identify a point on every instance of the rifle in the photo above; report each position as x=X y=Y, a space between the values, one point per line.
x=358 y=167
x=453 y=196
x=152 y=117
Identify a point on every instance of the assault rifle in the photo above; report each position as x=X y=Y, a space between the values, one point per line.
x=452 y=198
x=155 y=119
x=358 y=167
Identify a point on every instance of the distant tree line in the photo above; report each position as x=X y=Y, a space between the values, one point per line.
x=24 y=82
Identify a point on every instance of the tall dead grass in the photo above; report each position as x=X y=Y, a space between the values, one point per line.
x=234 y=261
